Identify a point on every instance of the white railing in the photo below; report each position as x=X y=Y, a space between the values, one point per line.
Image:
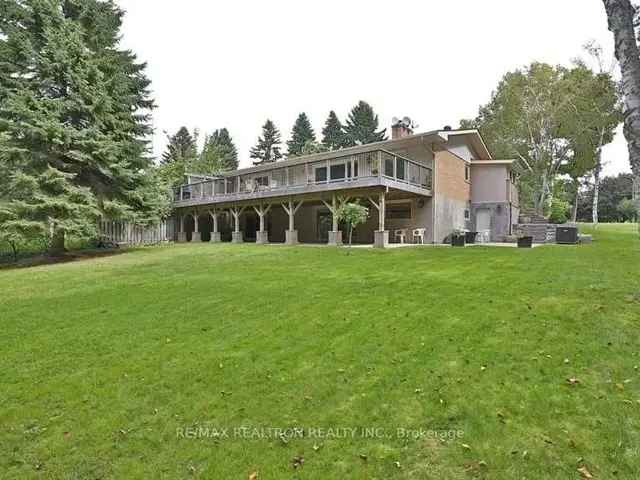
x=341 y=169
x=125 y=233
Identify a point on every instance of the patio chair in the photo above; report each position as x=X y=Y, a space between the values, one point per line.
x=400 y=235
x=484 y=236
x=418 y=234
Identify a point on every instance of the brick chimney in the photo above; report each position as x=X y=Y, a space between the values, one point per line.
x=401 y=128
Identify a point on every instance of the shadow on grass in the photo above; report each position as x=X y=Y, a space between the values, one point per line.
x=72 y=256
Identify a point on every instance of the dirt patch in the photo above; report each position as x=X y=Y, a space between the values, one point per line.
x=74 y=256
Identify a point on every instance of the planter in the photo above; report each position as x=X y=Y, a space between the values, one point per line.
x=525 y=242
x=457 y=240
x=470 y=237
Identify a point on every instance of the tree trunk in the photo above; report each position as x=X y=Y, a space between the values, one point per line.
x=574 y=210
x=621 y=15
x=596 y=188
x=56 y=247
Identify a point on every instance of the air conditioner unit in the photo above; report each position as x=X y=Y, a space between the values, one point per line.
x=568 y=235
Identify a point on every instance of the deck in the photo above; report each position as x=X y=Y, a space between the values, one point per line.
x=374 y=168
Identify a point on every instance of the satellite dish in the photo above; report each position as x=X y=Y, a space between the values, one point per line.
x=406 y=121
x=395 y=120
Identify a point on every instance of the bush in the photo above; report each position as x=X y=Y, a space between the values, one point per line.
x=559 y=212
x=627 y=210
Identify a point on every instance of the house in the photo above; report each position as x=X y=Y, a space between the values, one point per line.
x=437 y=182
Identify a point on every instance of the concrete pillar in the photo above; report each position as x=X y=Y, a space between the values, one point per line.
x=291 y=237
x=335 y=238
x=215 y=237
x=262 y=237
x=380 y=238
x=236 y=237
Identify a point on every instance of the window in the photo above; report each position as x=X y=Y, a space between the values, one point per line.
x=400 y=169
x=467 y=214
x=467 y=173
x=398 y=210
x=338 y=172
x=321 y=174
x=388 y=167
x=262 y=181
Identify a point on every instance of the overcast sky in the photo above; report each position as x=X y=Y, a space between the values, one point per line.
x=235 y=63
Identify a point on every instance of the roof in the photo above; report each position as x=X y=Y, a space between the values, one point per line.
x=433 y=136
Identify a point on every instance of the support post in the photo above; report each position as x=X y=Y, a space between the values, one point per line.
x=182 y=235
x=380 y=236
x=262 y=236
x=215 y=234
x=195 y=236
x=335 y=235
x=291 y=235
x=236 y=235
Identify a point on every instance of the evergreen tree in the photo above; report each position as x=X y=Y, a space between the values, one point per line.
x=333 y=137
x=362 y=126
x=301 y=133
x=268 y=147
x=181 y=147
x=226 y=148
x=73 y=117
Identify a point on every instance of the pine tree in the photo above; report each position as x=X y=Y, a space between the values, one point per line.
x=362 y=126
x=268 y=147
x=333 y=137
x=301 y=133
x=73 y=116
x=181 y=147
x=226 y=148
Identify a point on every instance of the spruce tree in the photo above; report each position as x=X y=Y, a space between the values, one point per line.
x=333 y=137
x=73 y=116
x=226 y=148
x=362 y=126
x=181 y=147
x=268 y=147
x=301 y=133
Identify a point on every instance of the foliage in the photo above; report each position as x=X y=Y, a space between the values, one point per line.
x=611 y=192
x=268 y=147
x=559 y=211
x=542 y=115
x=182 y=147
x=74 y=114
x=311 y=147
x=352 y=214
x=406 y=344
x=301 y=134
x=362 y=126
x=222 y=141
x=333 y=136
x=628 y=210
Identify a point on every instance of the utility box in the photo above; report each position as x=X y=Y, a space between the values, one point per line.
x=567 y=235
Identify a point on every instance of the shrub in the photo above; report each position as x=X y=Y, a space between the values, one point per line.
x=559 y=212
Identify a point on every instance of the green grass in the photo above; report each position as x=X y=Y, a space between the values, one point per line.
x=105 y=361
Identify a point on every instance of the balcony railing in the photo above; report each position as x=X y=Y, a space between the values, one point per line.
x=347 y=169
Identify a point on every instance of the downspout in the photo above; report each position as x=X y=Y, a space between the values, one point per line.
x=433 y=189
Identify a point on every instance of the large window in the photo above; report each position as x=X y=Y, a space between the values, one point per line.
x=398 y=210
x=338 y=172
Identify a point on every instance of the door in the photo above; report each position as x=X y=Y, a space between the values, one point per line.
x=483 y=219
x=323 y=225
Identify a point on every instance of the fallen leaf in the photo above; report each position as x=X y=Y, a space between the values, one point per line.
x=298 y=461
x=585 y=473
x=573 y=381
x=253 y=476
x=466 y=447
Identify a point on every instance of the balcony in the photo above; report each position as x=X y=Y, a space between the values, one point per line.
x=367 y=169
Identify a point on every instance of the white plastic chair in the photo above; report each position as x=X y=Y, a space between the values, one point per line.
x=400 y=234
x=418 y=234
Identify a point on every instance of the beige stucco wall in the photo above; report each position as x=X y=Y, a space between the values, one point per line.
x=489 y=183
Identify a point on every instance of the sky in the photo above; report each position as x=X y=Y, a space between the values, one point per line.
x=234 y=64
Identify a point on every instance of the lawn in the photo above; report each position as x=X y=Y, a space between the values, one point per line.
x=269 y=362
